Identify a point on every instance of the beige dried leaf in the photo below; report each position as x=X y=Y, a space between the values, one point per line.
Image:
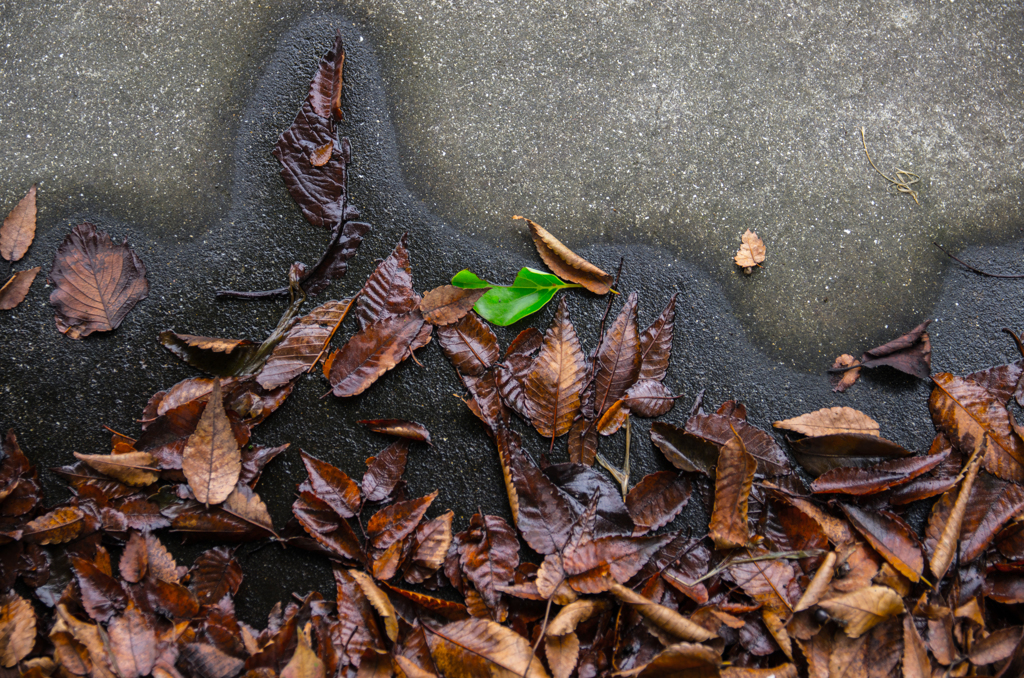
x=17 y=629
x=304 y=663
x=573 y=614
x=663 y=617
x=830 y=420
x=949 y=540
x=380 y=602
x=562 y=653
x=864 y=608
x=818 y=585
x=212 y=461
x=137 y=469
x=751 y=253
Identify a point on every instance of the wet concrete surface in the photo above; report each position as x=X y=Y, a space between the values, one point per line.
x=195 y=235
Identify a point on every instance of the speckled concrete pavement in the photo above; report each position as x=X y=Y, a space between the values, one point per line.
x=658 y=131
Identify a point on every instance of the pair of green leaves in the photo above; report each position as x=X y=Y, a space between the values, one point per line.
x=504 y=305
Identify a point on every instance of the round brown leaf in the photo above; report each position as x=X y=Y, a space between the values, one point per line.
x=447 y=304
x=97 y=282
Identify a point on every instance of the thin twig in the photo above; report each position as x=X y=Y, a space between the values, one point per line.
x=903 y=179
x=780 y=555
x=976 y=270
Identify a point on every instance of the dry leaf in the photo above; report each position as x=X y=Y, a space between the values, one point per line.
x=132 y=468
x=16 y=289
x=663 y=617
x=751 y=252
x=830 y=420
x=566 y=264
x=97 y=282
x=212 y=461
x=949 y=538
x=325 y=88
x=380 y=602
x=864 y=608
x=304 y=663
x=19 y=228
x=842 y=380
x=17 y=629
x=818 y=585
x=473 y=647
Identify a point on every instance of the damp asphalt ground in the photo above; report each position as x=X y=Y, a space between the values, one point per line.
x=654 y=132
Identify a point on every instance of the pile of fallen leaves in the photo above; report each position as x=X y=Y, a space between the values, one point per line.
x=808 y=565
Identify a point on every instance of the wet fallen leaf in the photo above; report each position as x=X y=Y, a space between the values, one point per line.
x=891 y=537
x=401 y=428
x=841 y=377
x=397 y=521
x=864 y=608
x=656 y=344
x=685 y=451
x=565 y=263
x=245 y=504
x=553 y=386
x=304 y=663
x=823 y=453
x=618 y=358
x=469 y=344
x=991 y=504
x=97 y=283
x=212 y=461
x=372 y=352
x=16 y=288
x=657 y=499
x=384 y=471
x=946 y=533
x=133 y=643
x=910 y=354
x=663 y=617
x=488 y=555
x=333 y=486
x=751 y=253
x=325 y=88
x=132 y=468
x=302 y=345
x=734 y=479
x=447 y=304
x=19 y=228
x=876 y=478
x=56 y=527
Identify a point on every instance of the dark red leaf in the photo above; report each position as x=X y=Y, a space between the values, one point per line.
x=373 y=351
x=334 y=263
x=332 y=486
x=526 y=343
x=647 y=398
x=553 y=385
x=215 y=574
x=325 y=89
x=397 y=521
x=583 y=486
x=718 y=428
x=488 y=554
x=384 y=471
x=876 y=478
x=657 y=499
x=824 y=453
x=910 y=354
x=992 y=503
x=356 y=631
x=329 y=530
x=617 y=557
x=448 y=304
x=545 y=516
x=510 y=378
x=469 y=344
x=583 y=442
x=618 y=358
x=102 y=595
x=254 y=458
x=486 y=402
x=891 y=537
x=388 y=291
x=656 y=344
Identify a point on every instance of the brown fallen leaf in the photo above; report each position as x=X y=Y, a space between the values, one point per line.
x=304 y=663
x=735 y=477
x=562 y=653
x=19 y=228
x=16 y=289
x=830 y=420
x=819 y=584
x=469 y=344
x=618 y=359
x=566 y=264
x=475 y=647
x=948 y=534
x=447 y=304
x=245 y=504
x=133 y=468
x=380 y=601
x=663 y=617
x=681 y=660
x=96 y=282
x=891 y=537
x=553 y=387
x=876 y=478
x=212 y=461
x=303 y=344
x=17 y=629
x=910 y=354
x=864 y=608
x=332 y=486
x=842 y=378
x=133 y=643
x=372 y=352
x=751 y=253
x=400 y=428
x=56 y=527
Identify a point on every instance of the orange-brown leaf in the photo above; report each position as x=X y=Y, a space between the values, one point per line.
x=565 y=263
x=397 y=521
x=325 y=88
x=245 y=504
x=663 y=617
x=947 y=535
x=593 y=566
x=384 y=471
x=304 y=663
x=751 y=252
x=447 y=304
x=133 y=643
x=969 y=414
x=215 y=574
x=469 y=344
x=332 y=486
x=618 y=358
x=19 y=228
x=16 y=289
x=891 y=537
x=132 y=468
x=212 y=461
x=474 y=647
x=380 y=601
x=657 y=499
x=401 y=428
x=96 y=282
x=55 y=527
x=733 y=482
x=876 y=478
x=553 y=386
x=17 y=629
x=656 y=344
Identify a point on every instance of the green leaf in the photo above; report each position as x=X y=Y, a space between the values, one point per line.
x=504 y=305
x=467 y=280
